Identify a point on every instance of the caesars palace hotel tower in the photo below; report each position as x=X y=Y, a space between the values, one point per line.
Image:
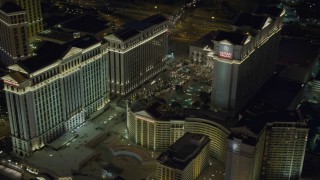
x=245 y=57
x=55 y=91
x=137 y=53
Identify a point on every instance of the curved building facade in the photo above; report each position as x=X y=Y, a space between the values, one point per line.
x=158 y=133
x=216 y=132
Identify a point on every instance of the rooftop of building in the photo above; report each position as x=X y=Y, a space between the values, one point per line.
x=84 y=42
x=277 y=93
x=205 y=40
x=10 y=7
x=125 y=34
x=56 y=35
x=50 y=52
x=183 y=151
x=129 y=30
x=71 y=156
x=298 y=52
x=243 y=135
x=160 y=111
x=272 y=11
x=218 y=117
x=253 y=21
x=233 y=37
x=47 y=54
x=87 y=23
x=256 y=120
x=19 y=77
x=56 y=19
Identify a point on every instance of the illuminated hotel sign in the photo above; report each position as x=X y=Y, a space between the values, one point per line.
x=225 y=51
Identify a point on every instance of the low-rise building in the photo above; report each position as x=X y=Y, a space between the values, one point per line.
x=157 y=127
x=185 y=159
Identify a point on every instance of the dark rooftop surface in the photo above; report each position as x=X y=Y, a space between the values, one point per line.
x=298 y=52
x=125 y=34
x=160 y=111
x=256 y=122
x=272 y=11
x=56 y=35
x=221 y=118
x=131 y=29
x=85 y=41
x=254 y=21
x=205 y=40
x=87 y=23
x=57 y=19
x=9 y=7
x=49 y=52
x=277 y=93
x=155 y=19
x=233 y=37
x=244 y=137
x=183 y=151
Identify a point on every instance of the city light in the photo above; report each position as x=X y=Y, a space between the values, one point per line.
x=147 y=90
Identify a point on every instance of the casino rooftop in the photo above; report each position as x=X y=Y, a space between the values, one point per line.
x=233 y=37
x=256 y=120
x=45 y=56
x=181 y=153
x=131 y=29
x=250 y=20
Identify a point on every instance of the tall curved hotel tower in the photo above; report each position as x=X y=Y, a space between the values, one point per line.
x=137 y=53
x=55 y=91
x=245 y=58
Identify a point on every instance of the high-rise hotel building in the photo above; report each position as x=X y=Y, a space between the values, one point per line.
x=245 y=58
x=270 y=145
x=13 y=33
x=55 y=91
x=137 y=53
x=33 y=15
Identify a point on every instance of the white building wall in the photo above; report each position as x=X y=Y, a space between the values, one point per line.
x=56 y=100
x=240 y=160
x=136 y=60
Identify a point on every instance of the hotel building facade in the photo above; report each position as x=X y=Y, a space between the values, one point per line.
x=14 y=43
x=267 y=146
x=157 y=130
x=245 y=58
x=185 y=159
x=55 y=91
x=137 y=53
x=33 y=15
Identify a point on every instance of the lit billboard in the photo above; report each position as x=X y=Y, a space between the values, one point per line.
x=226 y=51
